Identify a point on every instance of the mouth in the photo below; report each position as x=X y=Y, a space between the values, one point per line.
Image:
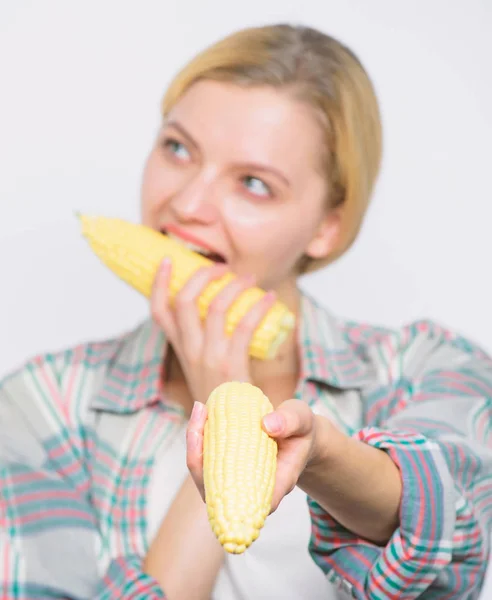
x=195 y=247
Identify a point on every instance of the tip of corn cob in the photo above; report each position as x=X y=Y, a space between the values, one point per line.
x=239 y=464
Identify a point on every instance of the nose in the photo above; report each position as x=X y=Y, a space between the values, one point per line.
x=196 y=201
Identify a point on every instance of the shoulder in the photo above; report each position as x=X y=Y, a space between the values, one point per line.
x=415 y=347
x=70 y=371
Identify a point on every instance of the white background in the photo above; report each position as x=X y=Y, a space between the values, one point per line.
x=80 y=87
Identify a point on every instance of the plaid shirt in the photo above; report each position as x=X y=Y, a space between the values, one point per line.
x=79 y=430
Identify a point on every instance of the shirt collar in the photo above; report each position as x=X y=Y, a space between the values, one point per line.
x=134 y=376
x=135 y=371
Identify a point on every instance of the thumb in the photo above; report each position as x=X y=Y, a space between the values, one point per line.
x=291 y=418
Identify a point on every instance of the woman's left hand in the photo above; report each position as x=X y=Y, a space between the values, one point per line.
x=293 y=425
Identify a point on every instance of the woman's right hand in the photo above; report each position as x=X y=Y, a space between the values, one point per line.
x=207 y=355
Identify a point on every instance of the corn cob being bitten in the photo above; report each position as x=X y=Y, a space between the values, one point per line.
x=239 y=464
x=134 y=253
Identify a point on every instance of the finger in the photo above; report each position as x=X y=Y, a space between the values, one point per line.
x=293 y=418
x=186 y=309
x=194 y=445
x=216 y=340
x=160 y=300
x=287 y=475
x=245 y=329
x=292 y=425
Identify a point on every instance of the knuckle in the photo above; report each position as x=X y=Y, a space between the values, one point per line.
x=209 y=363
x=194 y=284
x=244 y=326
x=190 y=350
x=252 y=318
x=293 y=415
x=258 y=311
x=224 y=369
x=160 y=317
x=222 y=303
x=291 y=484
x=219 y=366
x=224 y=299
x=184 y=300
x=217 y=271
x=296 y=422
x=155 y=313
x=304 y=414
x=264 y=307
x=199 y=275
x=206 y=275
x=193 y=358
x=192 y=462
x=217 y=305
x=275 y=505
x=237 y=285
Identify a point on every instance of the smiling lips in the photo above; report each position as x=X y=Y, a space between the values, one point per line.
x=193 y=243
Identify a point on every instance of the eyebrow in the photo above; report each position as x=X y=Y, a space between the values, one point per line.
x=266 y=169
x=182 y=130
x=250 y=165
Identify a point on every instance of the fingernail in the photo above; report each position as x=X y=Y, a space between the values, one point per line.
x=197 y=411
x=273 y=422
x=166 y=263
x=269 y=296
x=251 y=278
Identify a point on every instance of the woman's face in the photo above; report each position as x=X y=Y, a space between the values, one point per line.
x=237 y=171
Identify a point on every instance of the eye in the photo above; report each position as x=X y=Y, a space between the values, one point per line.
x=176 y=148
x=257 y=186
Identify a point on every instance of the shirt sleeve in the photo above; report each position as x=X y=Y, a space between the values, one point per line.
x=49 y=536
x=432 y=414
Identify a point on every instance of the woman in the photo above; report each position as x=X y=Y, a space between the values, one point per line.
x=266 y=159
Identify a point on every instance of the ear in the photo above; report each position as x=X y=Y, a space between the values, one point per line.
x=326 y=238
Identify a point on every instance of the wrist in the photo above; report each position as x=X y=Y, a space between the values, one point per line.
x=329 y=443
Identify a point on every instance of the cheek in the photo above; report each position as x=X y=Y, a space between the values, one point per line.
x=158 y=184
x=263 y=231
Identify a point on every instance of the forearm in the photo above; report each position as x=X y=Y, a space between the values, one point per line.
x=358 y=485
x=185 y=557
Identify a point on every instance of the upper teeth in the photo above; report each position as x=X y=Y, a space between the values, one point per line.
x=190 y=245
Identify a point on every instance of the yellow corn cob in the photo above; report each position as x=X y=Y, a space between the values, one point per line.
x=134 y=253
x=239 y=464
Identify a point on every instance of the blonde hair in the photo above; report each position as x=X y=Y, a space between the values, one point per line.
x=324 y=73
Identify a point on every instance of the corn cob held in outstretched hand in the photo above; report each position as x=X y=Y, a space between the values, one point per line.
x=134 y=253
x=239 y=464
